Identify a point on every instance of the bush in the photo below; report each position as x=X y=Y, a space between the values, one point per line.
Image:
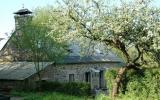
x=51 y=86
x=72 y=88
x=145 y=86
x=110 y=76
x=77 y=88
x=139 y=85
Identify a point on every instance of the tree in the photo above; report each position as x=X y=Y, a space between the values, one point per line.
x=38 y=42
x=129 y=28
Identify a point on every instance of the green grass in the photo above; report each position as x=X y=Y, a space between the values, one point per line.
x=47 y=96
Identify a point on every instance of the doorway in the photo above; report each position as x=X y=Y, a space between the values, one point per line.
x=101 y=79
x=88 y=77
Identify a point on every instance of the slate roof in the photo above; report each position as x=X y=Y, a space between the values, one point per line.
x=18 y=70
x=90 y=59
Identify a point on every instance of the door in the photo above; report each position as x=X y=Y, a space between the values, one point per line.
x=88 y=77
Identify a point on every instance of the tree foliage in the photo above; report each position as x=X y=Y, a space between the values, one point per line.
x=39 y=41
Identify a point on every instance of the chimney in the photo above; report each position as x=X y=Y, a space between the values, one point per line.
x=21 y=17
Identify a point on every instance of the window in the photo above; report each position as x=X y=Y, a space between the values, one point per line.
x=71 y=77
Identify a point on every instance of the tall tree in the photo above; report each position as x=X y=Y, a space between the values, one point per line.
x=38 y=42
x=130 y=28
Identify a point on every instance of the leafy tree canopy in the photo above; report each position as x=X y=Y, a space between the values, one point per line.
x=129 y=28
x=40 y=38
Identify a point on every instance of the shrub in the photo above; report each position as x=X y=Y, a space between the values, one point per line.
x=110 y=76
x=145 y=86
x=72 y=88
x=51 y=86
x=139 y=85
x=77 y=88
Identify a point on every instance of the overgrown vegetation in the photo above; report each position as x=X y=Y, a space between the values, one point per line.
x=48 y=96
x=73 y=88
x=56 y=91
x=142 y=85
x=70 y=88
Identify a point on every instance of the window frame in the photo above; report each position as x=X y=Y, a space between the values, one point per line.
x=71 y=77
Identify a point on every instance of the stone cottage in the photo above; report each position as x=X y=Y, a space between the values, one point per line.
x=16 y=72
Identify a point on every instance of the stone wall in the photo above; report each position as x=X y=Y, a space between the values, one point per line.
x=61 y=72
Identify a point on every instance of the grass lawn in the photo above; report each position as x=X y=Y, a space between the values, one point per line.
x=47 y=96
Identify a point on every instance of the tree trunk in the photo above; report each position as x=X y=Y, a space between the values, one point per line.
x=39 y=81
x=39 y=75
x=117 y=82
